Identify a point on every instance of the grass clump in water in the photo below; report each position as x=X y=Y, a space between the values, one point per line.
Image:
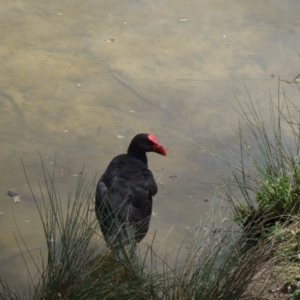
x=264 y=186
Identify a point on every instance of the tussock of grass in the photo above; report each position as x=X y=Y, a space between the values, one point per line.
x=264 y=186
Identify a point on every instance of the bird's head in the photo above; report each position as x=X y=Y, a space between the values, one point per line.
x=143 y=143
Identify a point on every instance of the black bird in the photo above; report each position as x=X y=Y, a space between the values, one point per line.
x=124 y=192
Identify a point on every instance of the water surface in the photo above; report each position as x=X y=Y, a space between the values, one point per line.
x=75 y=75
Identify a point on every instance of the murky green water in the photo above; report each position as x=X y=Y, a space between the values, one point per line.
x=75 y=75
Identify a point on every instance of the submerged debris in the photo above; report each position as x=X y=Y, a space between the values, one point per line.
x=297 y=78
x=79 y=173
x=14 y=195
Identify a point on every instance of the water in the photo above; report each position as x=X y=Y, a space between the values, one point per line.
x=75 y=75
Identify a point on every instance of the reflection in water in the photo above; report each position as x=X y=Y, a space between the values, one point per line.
x=67 y=93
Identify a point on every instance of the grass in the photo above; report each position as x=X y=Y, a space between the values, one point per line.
x=78 y=265
x=264 y=185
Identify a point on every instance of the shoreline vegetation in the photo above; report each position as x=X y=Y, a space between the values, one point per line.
x=260 y=260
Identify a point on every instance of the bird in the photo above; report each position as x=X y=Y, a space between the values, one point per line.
x=123 y=198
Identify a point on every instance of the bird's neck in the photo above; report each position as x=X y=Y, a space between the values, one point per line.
x=139 y=155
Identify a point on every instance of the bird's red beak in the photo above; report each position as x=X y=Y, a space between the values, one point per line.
x=160 y=149
x=157 y=147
